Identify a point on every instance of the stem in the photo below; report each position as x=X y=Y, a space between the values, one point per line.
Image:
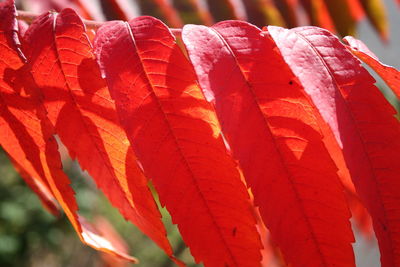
x=28 y=17
x=25 y=16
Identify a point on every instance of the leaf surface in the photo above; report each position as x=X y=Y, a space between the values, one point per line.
x=21 y=129
x=270 y=125
x=27 y=134
x=389 y=74
x=80 y=107
x=21 y=115
x=361 y=119
x=176 y=136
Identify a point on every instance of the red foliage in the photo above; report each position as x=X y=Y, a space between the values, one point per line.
x=290 y=114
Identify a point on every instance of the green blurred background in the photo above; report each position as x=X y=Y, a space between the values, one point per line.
x=30 y=236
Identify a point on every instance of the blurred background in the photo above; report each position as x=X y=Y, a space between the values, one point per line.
x=30 y=236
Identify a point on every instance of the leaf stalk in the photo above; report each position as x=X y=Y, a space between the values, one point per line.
x=29 y=17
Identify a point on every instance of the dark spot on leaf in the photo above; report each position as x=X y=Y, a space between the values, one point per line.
x=234 y=231
x=290 y=82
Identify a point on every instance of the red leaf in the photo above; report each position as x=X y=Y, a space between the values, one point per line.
x=27 y=135
x=270 y=125
x=177 y=138
x=388 y=73
x=361 y=119
x=271 y=255
x=80 y=107
x=361 y=217
x=21 y=115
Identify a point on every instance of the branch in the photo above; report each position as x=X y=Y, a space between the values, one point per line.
x=28 y=17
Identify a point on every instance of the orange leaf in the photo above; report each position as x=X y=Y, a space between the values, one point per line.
x=79 y=105
x=177 y=138
x=22 y=118
x=27 y=135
